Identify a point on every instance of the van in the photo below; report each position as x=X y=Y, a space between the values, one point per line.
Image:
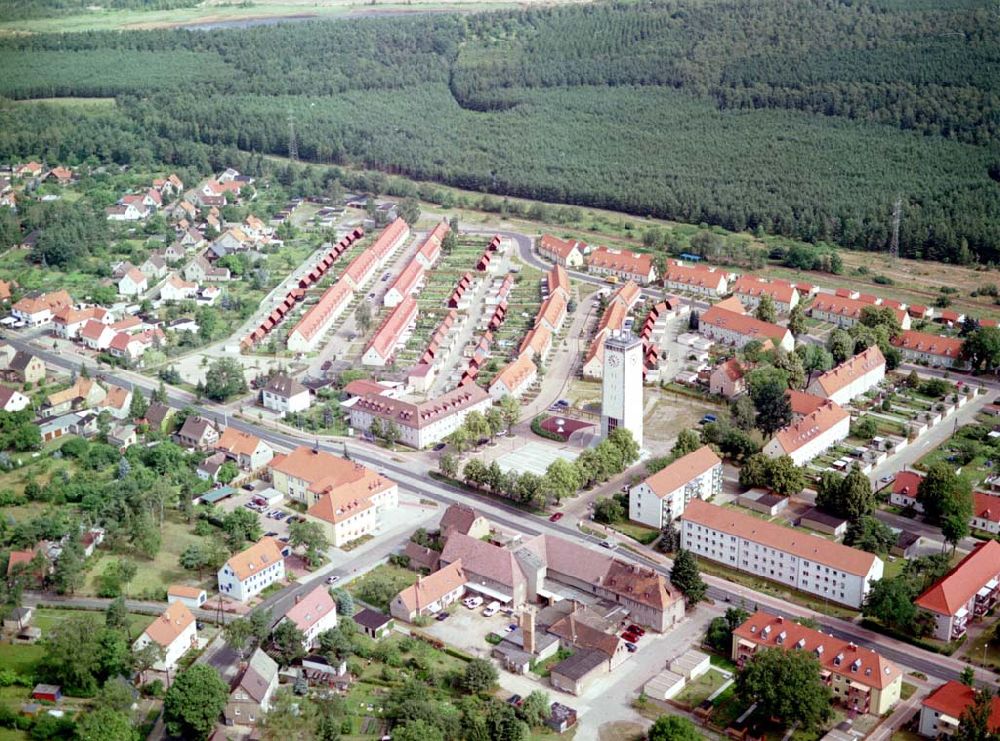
x=491 y=609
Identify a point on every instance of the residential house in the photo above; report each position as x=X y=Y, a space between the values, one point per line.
x=942 y=710
x=407 y=283
x=612 y=321
x=249 y=451
x=597 y=651
x=154 y=266
x=284 y=395
x=552 y=312
x=985 y=513
x=192 y=597
x=700 y=279
x=461 y=518
x=812 y=435
x=749 y=289
x=133 y=283
x=68 y=322
x=374 y=624
x=391 y=334
x=845 y=312
x=131 y=211
x=727 y=379
x=12 y=400
x=157 y=416
x=116 y=402
x=348 y=508
x=904 y=490
x=968 y=591
x=84 y=393
x=425 y=423
x=566 y=252
x=318 y=319
x=6 y=290
x=420 y=558
x=174 y=631
x=313 y=614
x=791 y=557
x=198 y=432
x=178 y=289
x=537 y=343
x=252 y=570
x=663 y=496
x=853 y=377
x=430 y=249
x=38 y=308
x=514 y=379
x=25 y=368
x=430 y=594
x=200 y=270
x=861 y=680
x=624 y=264
x=208 y=469
x=132 y=347
x=96 y=335
x=728 y=323
x=930 y=349
x=251 y=696
x=557 y=282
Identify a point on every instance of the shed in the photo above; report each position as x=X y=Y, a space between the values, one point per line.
x=816 y=519
x=906 y=545
x=664 y=686
x=691 y=664
x=373 y=623
x=561 y=717
x=763 y=501
x=17 y=618
x=47 y=692
x=217 y=495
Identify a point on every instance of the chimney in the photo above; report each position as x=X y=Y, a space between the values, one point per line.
x=528 y=630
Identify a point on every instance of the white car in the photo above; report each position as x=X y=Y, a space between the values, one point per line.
x=472 y=602
x=491 y=609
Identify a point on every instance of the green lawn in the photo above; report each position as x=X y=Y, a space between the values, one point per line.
x=20 y=659
x=642 y=533
x=907 y=690
x=696 y=692
x=396 y=576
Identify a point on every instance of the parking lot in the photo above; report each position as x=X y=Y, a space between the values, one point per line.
x=467 y=629
x=271 y=526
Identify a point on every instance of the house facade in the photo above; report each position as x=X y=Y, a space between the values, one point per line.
x=313 y=614
x=566 y=252
x=793 y=558
x=251 y=571
x=174 y=631
x=663 y=496
x=965 y=593
x=430 y=594
x=251 y=696
x=284 y=395
x=853 y=377
x=811 y=435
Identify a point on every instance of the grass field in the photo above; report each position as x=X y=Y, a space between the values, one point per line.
x=399 y=577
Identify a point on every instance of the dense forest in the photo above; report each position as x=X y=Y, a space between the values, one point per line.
x=807 y=120
x=16 y=10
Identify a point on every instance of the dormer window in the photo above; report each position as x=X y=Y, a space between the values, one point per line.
x=855 y=665
x=838 y=659
x=782 y=636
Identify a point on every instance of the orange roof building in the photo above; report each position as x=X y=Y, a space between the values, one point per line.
x=941 y=711
x=318 y=319
x=251 y=571
x=429 y=250
x=249 y=451
x=845 y=311
x=568 y=253
x=515 y=378
x=174 y=631
x=405 y=285
x=811 y=435
x=391 y=333
x=700 y=279
x=930 y=349
x=624 y=264
x=557 y=281
x=40 y=308
x=969 y=590
x=750 y=288
x=430 y=594
x=664 y=495
x=861 y=679
x=853 y=377
x=735 y=328
x=789 y=556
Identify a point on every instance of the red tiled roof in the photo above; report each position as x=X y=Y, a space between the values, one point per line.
x=312 y=608
x=393 y=326
x=861 y=665
x=952 y=698
x=429 y=589
x=332 y=299
x=260 y=555
x=408 y=279
x=812 y=425
x=693 y=275
x=168 y=627
x=626 y=261
x=932 y=344
x=408 y=414
x=682 y=470
x=238 y=443
x=558 y=247
x=906 y=483
x=796 y=542
x=516 y=373
x=958 y=586
x=751 y=285
x=850 y=370
x=803 y=403
x=846 y=307
x=986 y=506
x=742 y=324
x=557 y=279
x=732 y=369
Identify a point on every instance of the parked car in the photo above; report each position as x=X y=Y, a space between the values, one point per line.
x=556 y=516
x=472 y=602
x=510 y=628
x=270 y=534
x=631 y=647
x=491 y=609
x=707 y=418
x=515 y=700
x=439 y=446
x=442 y=616
x=248 y=487
x=609 y=544
x=637 y=630
x=332 y=579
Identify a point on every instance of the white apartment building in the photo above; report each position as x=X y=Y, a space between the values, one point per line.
x=175 y=631
x=811 y=435
x=252 y=570
x=788 y=556
x=968 y=591
x=853 y=377
x=664 y=495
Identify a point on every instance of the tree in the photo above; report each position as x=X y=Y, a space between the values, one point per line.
x=865 y=428
x=145 y=658
x=510 y=410
x=391 y=433
x=480 y=676
x=476 y=427
x=850 y=497
x=774 y=410
x=309 y=535
x=608 y=510
x=765 y=310
x=673 y=728
x=227 y=472
x=290 y=718
x=68 y=574
x=225 y=379
x=786 y=685
x=417 y=730
x=870 y=535
x=786 y=478
x=687 y=441
x=194 y=702
x=105 y=724
x=561 y=480
x=880 y=316
x=797 y=324
x=138 y=406
x=535 y=709
x=890 y=601
x=840 y=344
x=363 y=316
x=238 y=635
x=448 y=465
x=621 y=439
x=982 y=348
x=288 y=643
x=975 y=721
x=72 y=656
x=116 y=614
x=377 y=590
x=193 y=558
x=495 y=422
x=968 y=676
x=943 y=492
x=241 y=525
x=743 y=413
x=345 y=602
x=686 y=576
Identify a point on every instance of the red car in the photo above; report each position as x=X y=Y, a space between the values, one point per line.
x=556 y=516
x=630 y=637
x=637 y=630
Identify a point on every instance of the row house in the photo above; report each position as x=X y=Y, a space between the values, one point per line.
x=37 y=309
x=623 y=264
x=728 y=323
x=699 y=279
x=852 y=378
x=318 y=319
x=811 y=435
x=514 y=379
x=569 y=253
x=612 y=321
x=930 y=349
x=391 y=334
x=845 y=311
x=791 y=557
x=749 y=289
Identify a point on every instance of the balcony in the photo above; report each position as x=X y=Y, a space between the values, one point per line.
x=958 y=623
x=986 y=598
x=858 y=697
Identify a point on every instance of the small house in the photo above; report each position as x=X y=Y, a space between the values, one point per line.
x=373 y=623
x=47 y=693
